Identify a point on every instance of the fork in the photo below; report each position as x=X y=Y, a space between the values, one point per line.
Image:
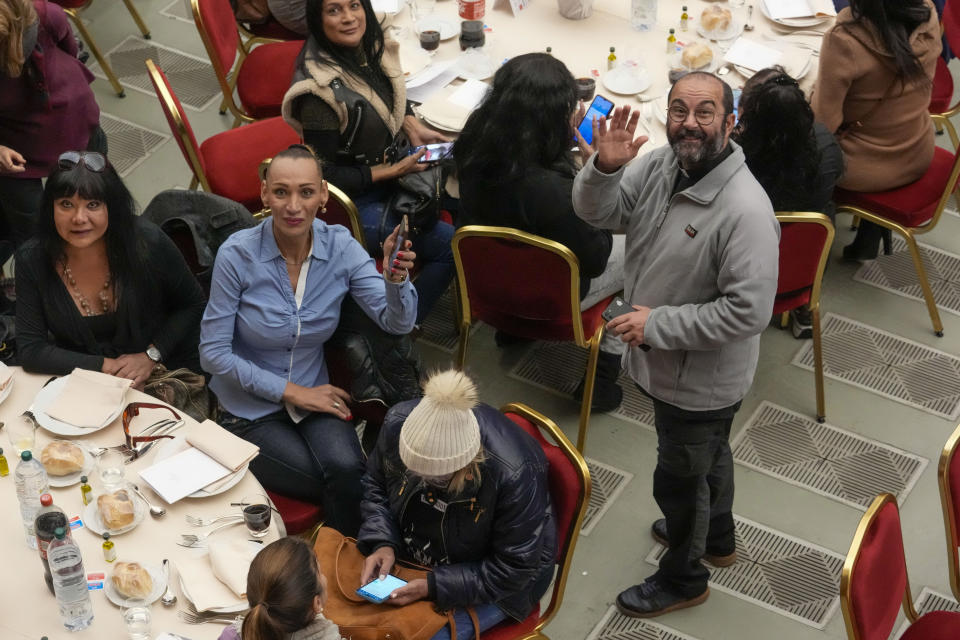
x=191 y=540
x=203 y=522
x=197 y=618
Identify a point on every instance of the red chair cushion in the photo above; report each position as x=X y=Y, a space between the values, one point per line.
x=511 y=629
x=951 y=24
x=297 y=516
x=71 y=4
x=942 y=88
x=879 y=576
x=272 y=29
x=790 y=301
x=217 y=21
x=231 y=158
x=936 y=625
x=912 y=205
x=264 y=77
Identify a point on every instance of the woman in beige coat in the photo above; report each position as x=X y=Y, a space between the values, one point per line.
x=876 y=75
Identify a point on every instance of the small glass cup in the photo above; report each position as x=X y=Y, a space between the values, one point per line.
x=22 y=433
x=110 y=466
x=137 y=618
x=585 y=89
x=420 y=9
x=430 y=39
x=256 y=512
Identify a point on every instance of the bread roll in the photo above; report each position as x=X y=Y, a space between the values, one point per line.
x=61 y=458
x=132 y=580
x=715 y=19
x=116 y=509
x=696 y=55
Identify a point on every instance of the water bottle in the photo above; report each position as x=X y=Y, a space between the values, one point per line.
x=31 y=482
x=643 y=14
x=49 y=518
x=69 y=582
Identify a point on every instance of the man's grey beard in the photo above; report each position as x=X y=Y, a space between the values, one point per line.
x=691 y=156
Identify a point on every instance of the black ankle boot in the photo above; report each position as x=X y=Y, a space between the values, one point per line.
x=607 y=394
x=866 y=245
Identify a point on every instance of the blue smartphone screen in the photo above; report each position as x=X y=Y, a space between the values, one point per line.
x=736 y=104
x=380 y=590
x=599 y=108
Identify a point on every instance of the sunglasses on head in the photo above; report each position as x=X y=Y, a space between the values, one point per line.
x=92 y=160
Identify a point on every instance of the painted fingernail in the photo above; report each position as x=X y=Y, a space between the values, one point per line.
x=392 y=270
x=396 y=263
x=350 y=417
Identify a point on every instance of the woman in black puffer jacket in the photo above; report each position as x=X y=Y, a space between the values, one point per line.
x=458 y=487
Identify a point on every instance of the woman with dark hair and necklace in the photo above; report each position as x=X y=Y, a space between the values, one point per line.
x=348 y=100
x=275 y=299
x=100 y=288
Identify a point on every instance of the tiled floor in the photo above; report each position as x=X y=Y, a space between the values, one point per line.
x=622 y=447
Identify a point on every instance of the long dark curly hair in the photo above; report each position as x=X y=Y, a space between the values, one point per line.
x=895 y=20
x=776 y=132
x=525 y=120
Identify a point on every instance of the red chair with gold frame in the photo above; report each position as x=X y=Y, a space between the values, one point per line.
x=260 y=77
x=73 y=7
x=940 y=109
x=948 y=475
x=225 y=163
x=298 y=517
x=874 y=582
x=805 y=241
x=529 y=287
x=910 y=210
x=570 y=487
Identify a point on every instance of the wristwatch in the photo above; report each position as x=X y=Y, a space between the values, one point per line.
x=153 y=353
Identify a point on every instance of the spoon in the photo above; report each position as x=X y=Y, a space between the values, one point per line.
x=155 y=511
x=169 y=598
x=749 y=25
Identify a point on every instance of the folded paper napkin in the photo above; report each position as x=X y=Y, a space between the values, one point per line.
x=204 y=589
x=230 y=560
x=88 y=399
x=231 y=451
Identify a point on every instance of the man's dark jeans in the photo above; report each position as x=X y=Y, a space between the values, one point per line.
x=318 y=460
x=693 y=485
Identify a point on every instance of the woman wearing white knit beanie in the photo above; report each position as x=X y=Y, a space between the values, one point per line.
x=456 y=486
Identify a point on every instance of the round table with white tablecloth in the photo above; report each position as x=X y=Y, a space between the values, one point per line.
x=27 y=609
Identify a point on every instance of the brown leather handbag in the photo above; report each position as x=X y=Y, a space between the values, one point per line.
x=359 y=619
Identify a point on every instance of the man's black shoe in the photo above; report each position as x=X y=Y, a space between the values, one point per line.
x=505 y=340
x=658 y=531
x=649 y=599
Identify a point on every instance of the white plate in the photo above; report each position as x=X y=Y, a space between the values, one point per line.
x=159 y=586
x=73 y=478
x=734 y=29
x=92 y=521
x=7 y=389
x=447 y=28
x=627 y=80
x=165 y=450
x=676 y=61
x=473 y=64
x=796 y=61
x=46 y=396
x=812 y=21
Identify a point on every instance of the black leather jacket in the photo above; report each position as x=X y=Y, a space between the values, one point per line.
x=500 y=536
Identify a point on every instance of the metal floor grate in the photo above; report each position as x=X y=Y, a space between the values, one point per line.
x=439 y=328
x=929 y=600
x=608 y=483
x=559 y=367
x=895 y=273
x=615 y=626
x=178 y=10
x=129 y=144
x=779 y=572
x=192 y=78
x=888 y=365
x=830 y=461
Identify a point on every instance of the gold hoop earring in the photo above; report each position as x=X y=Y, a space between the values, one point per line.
x=323 y=208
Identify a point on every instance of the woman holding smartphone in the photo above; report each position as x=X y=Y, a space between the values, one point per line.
x=275 y=299
x=458 y=487
x=348 y=101
x=516 y=170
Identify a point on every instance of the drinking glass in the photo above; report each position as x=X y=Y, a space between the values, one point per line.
x=110 y=466
x=136 y=618
x=23 y=435
x=420 y=9
x=256 y=512
x=736 y=4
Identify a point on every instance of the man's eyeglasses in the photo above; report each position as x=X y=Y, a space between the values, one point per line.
x=703 y=117
x=92 y=160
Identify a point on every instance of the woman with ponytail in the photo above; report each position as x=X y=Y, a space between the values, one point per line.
x=873 y=90
x=286 y=593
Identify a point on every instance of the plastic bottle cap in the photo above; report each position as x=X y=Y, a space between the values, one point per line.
x=26 y=455
x=106 y=536
x=684 y=8
x=611 y=49
x=671 y=31
x=83 y=479
x=60 y=533
x=1 y=451
x=46 y=500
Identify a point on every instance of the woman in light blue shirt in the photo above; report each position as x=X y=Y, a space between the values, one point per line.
x=274 y=301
